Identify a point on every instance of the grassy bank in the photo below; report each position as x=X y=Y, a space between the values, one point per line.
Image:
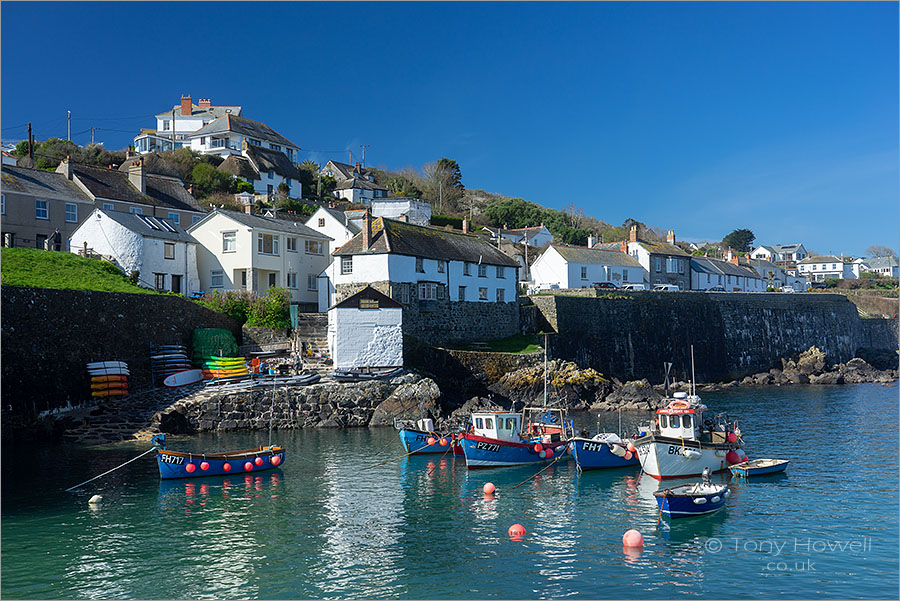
x=35 y=268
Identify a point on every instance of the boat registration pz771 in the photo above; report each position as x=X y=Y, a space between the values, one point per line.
x=487 y=446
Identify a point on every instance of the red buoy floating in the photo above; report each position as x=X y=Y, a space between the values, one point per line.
x=489 y=488
x=248 y=466
x=628 y=455
x=549 y=453
x=204 y=465
x=430 y=440
x=538 y=447
x=276 y=459
x=633 y=538
x=226 y=467
x=443 y=441
x=190 y=467
x=258 y=461
x=516 y=531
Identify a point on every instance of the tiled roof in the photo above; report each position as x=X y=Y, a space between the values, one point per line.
x=242 y=125
x=213 y=112
x=149 y=227
x=401 y=238
x=595 y=256
x=46 y=184
x=265 y=223
x=820 y=259
x=358 y=183
x=717 y=266
x=240 y=166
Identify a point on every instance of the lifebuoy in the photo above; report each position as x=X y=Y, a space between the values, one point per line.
x=679 y=405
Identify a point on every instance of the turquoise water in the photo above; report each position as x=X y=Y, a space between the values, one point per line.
x=329 y=524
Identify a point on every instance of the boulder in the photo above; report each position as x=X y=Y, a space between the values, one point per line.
x=567 y=384
x=828 y=378
x=637 y=395
x=409 y=401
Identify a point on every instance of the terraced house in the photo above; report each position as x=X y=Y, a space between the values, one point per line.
x=665 y=263
x=452 y=286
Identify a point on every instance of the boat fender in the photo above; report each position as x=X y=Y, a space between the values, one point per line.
x=617 y=450
x=692 y=454
x=726 y=493
x=715 y=499
x=699 y=501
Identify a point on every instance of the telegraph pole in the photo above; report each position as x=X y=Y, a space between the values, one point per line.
x=351 y=157
x=30 y=143
x=69 y=130
x=363 y=146
x=92 y=135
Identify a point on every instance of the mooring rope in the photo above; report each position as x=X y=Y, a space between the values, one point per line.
x=112 y=470
x=561 y=455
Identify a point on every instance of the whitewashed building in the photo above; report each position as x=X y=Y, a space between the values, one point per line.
x=173 y=127
x=411 y=210
x=579 y=267
x=824 y=267
x=161 y=251
x=664 y=262
x=775 y=276
x=242 y=251
x=335 y=224
x=732 y=276
x=265 y=168
x=365 y=331
x=887 y=266
x=227 y=134
x=780 y=253
x=532 y=236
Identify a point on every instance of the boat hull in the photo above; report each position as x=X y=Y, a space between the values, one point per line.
x=174 y=464
x=416 y=442
x=593 y=454
x=688 y=505
x=482 y=452
x=662 y=458
x=749 y=469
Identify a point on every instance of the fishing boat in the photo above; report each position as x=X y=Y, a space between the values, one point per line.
x=419 y=438
x=177 y=464
x=605 y=450
x=688 y=500
x=759 y=467
x=682 y=441
x=505 y=438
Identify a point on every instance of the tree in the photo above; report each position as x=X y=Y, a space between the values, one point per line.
x=876 y=250
x=443 y=185
x=739 y=240
x=207 y=180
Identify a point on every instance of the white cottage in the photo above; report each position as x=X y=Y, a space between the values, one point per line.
x=579 y=267
x=161 y=251
x=819 y=268
x=731 y=275
x=410 y=210
x=335 y=224
x=242 y=251
x=365 y=331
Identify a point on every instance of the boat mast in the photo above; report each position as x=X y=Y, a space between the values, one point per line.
x=693 y=377
x=545 y=369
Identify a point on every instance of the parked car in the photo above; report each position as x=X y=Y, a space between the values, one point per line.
x=666 y=287
x=788 y=289
x=543 y=288
x=818 y=286
x=606 y=285
x=634 y=286
x=716 y=289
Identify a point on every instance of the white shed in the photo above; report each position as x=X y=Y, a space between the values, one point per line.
x=366 y=331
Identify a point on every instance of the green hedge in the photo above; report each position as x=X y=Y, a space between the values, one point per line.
x=442 y=220
x=269 y=311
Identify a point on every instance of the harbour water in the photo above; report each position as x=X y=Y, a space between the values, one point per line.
x=333 y=523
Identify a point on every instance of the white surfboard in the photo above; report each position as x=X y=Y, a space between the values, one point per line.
x=184 y=377
x=109 y=371
x=104 y=364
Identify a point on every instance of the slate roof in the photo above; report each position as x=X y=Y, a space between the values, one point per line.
x=609 y=246
x=148 y=226
x=662 y=248
x=268 y=159
x=110 y=184
x=785 y=248
x=170 y=192
x=595 y=256
x=264 y=222
x=46 y=184
x=384 y=301
x=242 y=125
x=343 y=219
x=401 y=238
x=881 y=262
x=820 y=259
x=719 y=267
x=346 y=171
x=240 y=166
x=213 y=112
x=356 y=213
x=359 y=183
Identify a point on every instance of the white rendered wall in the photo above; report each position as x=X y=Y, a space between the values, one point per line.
x=549 y=269
x=332 y=228
x=365 y=338
x=108 y=237
x=416 y=211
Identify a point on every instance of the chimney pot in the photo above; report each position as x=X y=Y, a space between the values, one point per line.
x=624 y=247
x=670 y=237
x=186 y=108
x=632 y=235
x=465 y=225
x=204 y=103
x=137 y=177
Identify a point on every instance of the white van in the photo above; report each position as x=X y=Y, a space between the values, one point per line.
x=666 y=287
x=634 y=286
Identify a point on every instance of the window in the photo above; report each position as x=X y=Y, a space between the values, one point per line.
x=312 y=282
x=175 y=218
x=169 y=250
x=428 y=291
x=166 y=125
x=203 y=140
x=404 y=293
x=478 y=423
x=501 y=295
x=292 y=280
x=291 y=244
x=482 y=294
x=681 y=266
x=136 y=210
x=229 y=242
x=462 y=293
x=501 y=272
x=467 y=268
x=441 y=266
x=2 y=204
x=663 y=421
x=833 y=266
x=420 y=265
x=624 y=275
x=40 y=210
x=267 y=244
x=346 y=265
x=686 y=421
x=273 y=279
x=71 y=212
x=195 y=219
x=9 y=239
x=674 y=422
x=482 y=271
x=40 y=241
x=584 y=273
x=488 y=423
x=270 y=175
x=313 y=247
x=176 y=284
x=216 y=279
x=368 y=303
x=159 y=281
x=108 y=206
x=658 y=264
x=321 y=222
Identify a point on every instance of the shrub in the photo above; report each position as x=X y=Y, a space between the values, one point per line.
x=272 y=310
x=234 y=304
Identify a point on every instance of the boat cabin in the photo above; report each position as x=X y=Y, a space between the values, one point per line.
x=682 y=418
x=502 y=425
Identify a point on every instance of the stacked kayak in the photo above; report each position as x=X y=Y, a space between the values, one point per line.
x=215 y=367
x=108 y=378
x=167 y=360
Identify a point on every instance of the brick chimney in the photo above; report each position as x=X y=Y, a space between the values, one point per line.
x=204 y=103
x=670 y=237
x=732 y=257
x=186 y=108
x=465 y=225
x=366 y=231
x=248 y=208
x=357 y=168
x=632 y=235
x=624 y=247
x=136 y=175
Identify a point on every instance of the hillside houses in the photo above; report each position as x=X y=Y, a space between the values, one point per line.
x=564 y=266
x=819 y=268
x=173 y=127
x=664 y=262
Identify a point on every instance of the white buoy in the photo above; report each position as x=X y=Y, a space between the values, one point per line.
x=95 y=500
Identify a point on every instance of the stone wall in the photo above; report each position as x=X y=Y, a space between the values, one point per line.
x=733 y=334
x=49 y=335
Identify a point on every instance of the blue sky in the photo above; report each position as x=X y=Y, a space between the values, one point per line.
x=697 y=117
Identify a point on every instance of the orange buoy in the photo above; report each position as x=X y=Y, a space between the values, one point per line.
x=516 y=531
x=633 y=538
x=276 y=459
x=430 y=440
x=443 y=441
x=489 y=488
x=204 y=466
x=538 y=447
x=190 y=467
x=549 y=453
x=227 y=467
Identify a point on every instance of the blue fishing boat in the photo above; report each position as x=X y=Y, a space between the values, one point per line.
x=605 y=450
x=419 y=437
x=177 y=464
x=692 y=499
x=505 y=438
x=759 y=467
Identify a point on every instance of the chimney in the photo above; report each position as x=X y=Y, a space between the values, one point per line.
x=244 y=146
x=248 y=208
x=136 y=175
x=366 y=231
x=732 y=257
x=204 y=103
x=465 y=225
x=624 y=247
x=357 y=168
x=65 y=167
x=590 y=240
x=632 y=236
x=186 y=108
x=670 y=237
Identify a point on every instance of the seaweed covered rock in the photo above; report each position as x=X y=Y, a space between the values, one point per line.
x=577 y=388
x=412 y=400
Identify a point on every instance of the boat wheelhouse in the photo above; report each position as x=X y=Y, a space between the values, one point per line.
x=504 y=438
